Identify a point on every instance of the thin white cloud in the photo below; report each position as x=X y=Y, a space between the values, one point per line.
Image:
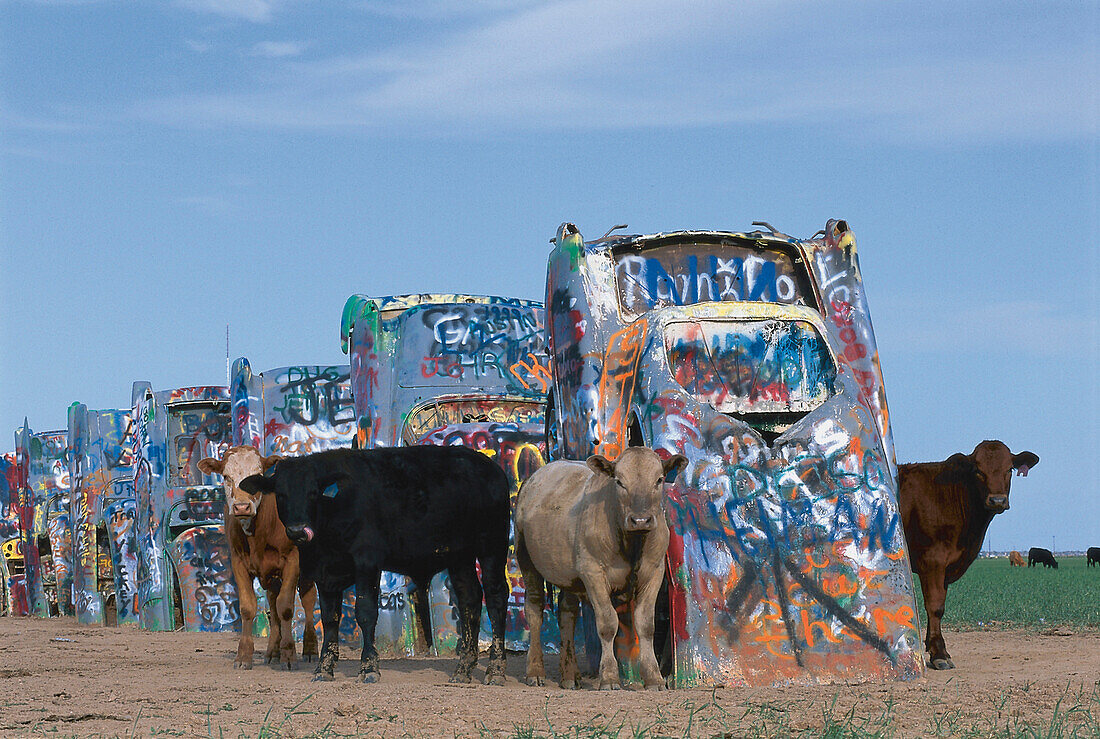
x=278 y=49
x=256 y=11
x=648 y=63
x=434 y=10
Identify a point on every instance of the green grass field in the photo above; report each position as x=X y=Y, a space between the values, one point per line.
x=992 y=593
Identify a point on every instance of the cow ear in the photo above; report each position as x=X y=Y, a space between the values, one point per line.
x=267 y=463
x=601 y=465
x=254 y=484
x=211 y=466
x=673 y=464
x=1024 y=461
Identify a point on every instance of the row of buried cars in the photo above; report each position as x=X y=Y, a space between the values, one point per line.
x=751 y=353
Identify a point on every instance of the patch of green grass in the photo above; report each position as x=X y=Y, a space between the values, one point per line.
x=993 y=593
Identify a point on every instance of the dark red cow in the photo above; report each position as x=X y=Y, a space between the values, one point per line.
x=945 y=509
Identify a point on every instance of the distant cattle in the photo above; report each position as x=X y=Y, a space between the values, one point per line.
x=411 y=510
x=595 y=529
x=1092 y=556
x=946 y=508
x=1038 y=555
x=1015 y=559
x=259 y=548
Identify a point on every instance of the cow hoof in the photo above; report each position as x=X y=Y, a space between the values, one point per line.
x=535 y=681
x=942 y=664
x=460 y=678
x=323 y=677
x=568 y=684
x=242 y=665
x=655 y=687
x=369 y=677
x=610 y=686
x=288 y=666
x=497 y=679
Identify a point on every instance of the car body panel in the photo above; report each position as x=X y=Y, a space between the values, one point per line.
x=184 y=579
x=47 y=541
x=100 y=463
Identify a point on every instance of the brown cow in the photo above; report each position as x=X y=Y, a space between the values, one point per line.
x=946 y=508
x=596 y=529
x=259 y=547
x=1016 y=559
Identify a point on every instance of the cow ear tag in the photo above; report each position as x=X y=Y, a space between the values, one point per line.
x=331 y=491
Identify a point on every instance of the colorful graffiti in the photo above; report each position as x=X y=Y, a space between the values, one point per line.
x=787 y=562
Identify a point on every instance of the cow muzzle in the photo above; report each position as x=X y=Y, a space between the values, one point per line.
x=299 y=534
x=640 y=523
x=997 y=503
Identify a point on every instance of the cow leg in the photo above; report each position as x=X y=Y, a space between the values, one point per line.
x=274 y=626
x=307 y=593
x=367 y=589
x=569 y=607
x=283 y=609
x=494 y=581
x=935 y=596
x=644 y=604
x=421 y=603
x=607 y=625
x=247 y=603
x=331 y=601
x=533 y=604
x=467 y=592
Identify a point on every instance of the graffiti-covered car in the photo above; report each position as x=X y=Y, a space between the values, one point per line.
x=752 y=354
x=102 y=513
x=184 y=580
x=450 y=369
x=47 y=540
x=13 y=513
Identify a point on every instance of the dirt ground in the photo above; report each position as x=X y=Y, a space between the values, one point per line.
x=63 y=679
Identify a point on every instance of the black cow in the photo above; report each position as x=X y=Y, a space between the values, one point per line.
x=1092 y=556
x=1043 y=556
x=410 y=510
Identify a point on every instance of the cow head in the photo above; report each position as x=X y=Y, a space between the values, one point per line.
x=297 y=490
x=638 y=475
x=237 y=464
x=990 y=465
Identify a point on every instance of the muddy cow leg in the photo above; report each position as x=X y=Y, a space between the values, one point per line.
x=467 y=592
x=569 y=607
x=283 y=609
x=934 y=589
x=494 y=582
x=307 y=592
x=331 y=600
x=533 y=605
x=367 y=589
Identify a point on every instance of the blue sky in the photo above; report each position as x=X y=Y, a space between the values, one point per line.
x=170 y=167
